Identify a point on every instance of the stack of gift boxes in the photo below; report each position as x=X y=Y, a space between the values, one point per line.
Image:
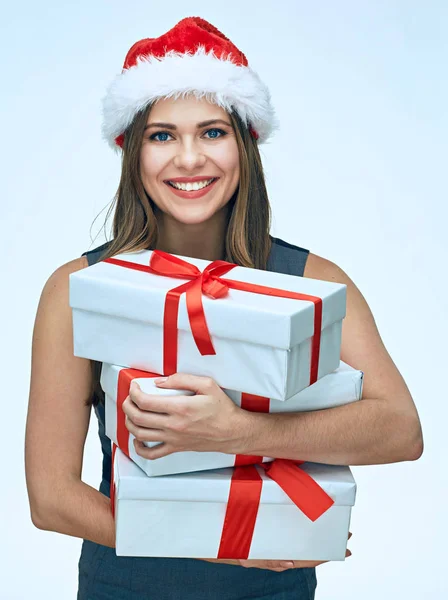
x=272 y=342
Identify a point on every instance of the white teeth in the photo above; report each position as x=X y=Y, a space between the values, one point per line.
x=188 y=187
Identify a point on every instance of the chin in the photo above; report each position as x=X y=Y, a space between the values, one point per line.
x=196 y=219
x=194 y=215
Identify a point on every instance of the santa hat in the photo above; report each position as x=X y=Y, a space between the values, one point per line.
x=192 y=58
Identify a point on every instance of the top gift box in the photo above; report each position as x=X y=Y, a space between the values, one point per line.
x=253 y=331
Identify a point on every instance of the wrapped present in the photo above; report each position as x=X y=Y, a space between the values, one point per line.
x=288 y=511
x=255 y=331
x=340 y=387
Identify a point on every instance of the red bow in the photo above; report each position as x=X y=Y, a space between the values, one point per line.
x=244 y=500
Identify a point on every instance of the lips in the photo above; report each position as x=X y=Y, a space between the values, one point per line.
x=191 y=194
x=190 y=186
x=191 y=179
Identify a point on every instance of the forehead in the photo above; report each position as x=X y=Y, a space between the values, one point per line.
x=185 y=110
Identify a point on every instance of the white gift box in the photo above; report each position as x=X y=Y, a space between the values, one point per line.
x=340 y=387
x=262 y=343
x=183 y=515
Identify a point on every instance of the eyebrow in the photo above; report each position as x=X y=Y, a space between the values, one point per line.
x=198 y=126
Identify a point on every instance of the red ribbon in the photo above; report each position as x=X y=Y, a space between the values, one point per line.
x=252 y=403
x=210 y=283
x=125 y=376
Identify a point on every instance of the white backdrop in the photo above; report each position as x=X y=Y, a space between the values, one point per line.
x=355 y=174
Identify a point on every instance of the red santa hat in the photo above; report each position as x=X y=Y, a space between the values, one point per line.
x=193 y=58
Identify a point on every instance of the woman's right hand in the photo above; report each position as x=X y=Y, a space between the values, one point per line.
x=274 y=565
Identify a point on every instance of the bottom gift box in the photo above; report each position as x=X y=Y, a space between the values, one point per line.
x=234 y=513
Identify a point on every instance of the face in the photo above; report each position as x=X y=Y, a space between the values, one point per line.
x=189 y=162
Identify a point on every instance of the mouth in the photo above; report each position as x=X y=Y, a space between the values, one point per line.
x=191 y=186
x=192 y=189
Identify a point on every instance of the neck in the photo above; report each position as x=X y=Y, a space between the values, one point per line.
x=201 y=240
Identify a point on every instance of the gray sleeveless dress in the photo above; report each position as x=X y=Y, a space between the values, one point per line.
x=105 y=576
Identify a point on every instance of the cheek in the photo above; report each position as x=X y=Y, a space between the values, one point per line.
x=150 y=166
x=228 y=161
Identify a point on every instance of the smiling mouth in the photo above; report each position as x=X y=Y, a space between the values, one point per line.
x=191 y=187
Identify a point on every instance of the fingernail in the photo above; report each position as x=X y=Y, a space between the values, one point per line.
x=287 y=564
x=158 y=380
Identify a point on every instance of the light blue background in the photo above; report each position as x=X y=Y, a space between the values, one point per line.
x=357 y=174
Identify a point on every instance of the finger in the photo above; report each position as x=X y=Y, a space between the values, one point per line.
x=303 y=564
x=270 y=565
x=268 y=568
x=308 y=564
x=280 y=566
x=349 y=534
x=144 y=434
x=151 y=402
x=273 y=565
x=155 y=452
x=144 y=418
x=223 y=561
x=193 y=383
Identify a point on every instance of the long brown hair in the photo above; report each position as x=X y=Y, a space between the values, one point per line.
x=134 y=225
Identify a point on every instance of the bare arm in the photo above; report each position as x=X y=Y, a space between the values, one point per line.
x=57 y=424
x=381 y=428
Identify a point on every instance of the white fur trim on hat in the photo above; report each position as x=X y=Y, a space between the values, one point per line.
x=177 y=75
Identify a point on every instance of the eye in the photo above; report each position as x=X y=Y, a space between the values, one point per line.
x=160 y=136
x=215 y=133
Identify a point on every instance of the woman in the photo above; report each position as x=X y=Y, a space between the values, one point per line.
x=188 y=115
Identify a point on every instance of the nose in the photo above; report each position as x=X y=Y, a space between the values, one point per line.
x=189 y=156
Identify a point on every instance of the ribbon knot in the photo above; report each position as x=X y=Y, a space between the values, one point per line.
x=213 y=286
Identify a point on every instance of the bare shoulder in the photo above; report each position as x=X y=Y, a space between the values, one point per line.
x=318 y=267
x=57 y=285
x=53 y=319
x=359 y=330
x=61 y=273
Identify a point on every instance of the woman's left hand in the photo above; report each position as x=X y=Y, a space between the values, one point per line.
x=207 y=422
x=274 y=565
